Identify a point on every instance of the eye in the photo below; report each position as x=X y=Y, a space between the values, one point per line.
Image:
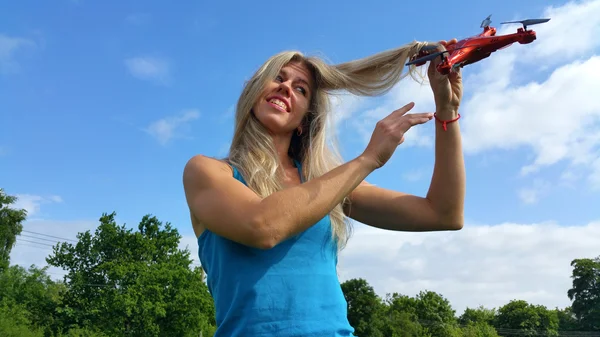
x=302 y=90
x=279 y=78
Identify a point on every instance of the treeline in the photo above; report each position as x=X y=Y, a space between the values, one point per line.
x=430 y=314
x=118 y=282
x=126 y=282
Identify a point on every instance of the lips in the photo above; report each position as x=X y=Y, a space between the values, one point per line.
x=279 y=102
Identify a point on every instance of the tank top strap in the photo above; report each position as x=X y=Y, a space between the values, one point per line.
x=237 y=175
x=299 y=166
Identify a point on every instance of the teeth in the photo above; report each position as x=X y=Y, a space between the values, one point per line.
x=278 y=102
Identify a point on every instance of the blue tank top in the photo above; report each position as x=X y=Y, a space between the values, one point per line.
x=289 y=290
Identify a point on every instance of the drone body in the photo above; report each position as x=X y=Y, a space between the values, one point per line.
x=476 y=48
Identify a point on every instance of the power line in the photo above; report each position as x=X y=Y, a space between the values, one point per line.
x=37 y=238
x=50 y=236
x=39 y=243
x=20 y=243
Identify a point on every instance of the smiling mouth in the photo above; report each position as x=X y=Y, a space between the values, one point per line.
x=278 y=104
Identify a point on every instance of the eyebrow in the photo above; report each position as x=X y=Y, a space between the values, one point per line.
x=300 y=79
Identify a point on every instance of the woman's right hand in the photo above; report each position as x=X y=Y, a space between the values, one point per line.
x=389 y=133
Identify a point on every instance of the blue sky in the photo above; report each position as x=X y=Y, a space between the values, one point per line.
x=102 y=103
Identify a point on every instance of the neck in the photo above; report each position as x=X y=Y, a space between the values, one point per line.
x=282 y=146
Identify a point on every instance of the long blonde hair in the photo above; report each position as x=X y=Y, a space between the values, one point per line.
x=252 y=151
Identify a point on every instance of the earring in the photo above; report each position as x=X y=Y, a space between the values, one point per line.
x=299 y=132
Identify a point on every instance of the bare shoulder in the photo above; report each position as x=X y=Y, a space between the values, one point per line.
x=200 y=174
x=202 y=170
x=217 y=201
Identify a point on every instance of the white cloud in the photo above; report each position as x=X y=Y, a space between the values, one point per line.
x=553 y=112
x=343 y=105
x=479 y=265
x=149 y=68
x=168 y=128
x=557 y=118
x=531 y=194
x=540 y=97
x=407 y=91
x=32 y=203
x=556 y=115
x=9 y=46
x=572 y=31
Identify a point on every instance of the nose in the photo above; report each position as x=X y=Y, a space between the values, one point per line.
x=284 y=88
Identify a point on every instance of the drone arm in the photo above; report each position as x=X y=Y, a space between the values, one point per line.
x=425 y=58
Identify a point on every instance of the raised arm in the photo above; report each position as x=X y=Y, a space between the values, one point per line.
x=228 y=208
x=443 y=206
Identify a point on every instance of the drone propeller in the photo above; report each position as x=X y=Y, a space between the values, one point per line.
x=432 y=56
x=426 y=58
x=527 y=22
x=486 y=22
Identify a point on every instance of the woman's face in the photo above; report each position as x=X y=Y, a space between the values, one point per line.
x=285 y=100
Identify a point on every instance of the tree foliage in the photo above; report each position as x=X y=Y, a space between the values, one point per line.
x=137 y=282
x=11 y=225
x=585 y=292
x=363 y=307
x=133 y=282
x=477 y=315
x=528 y=318
x=429 y=314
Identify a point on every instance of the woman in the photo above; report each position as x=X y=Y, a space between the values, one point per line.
x=271 y=218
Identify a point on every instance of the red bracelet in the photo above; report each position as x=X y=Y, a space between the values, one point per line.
x=444 y=123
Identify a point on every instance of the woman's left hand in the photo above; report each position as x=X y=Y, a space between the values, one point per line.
x=447 y=89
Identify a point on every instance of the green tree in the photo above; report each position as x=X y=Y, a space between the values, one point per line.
x=567 y=320
x=32 y=293
x=478 y=322
x=478 y=329
x=585 y=292
x=401 y=324
x=529 y=319
x=430 y=310
x=134 y=283
x=476 y=315
x=11 y=225
x=364 y=308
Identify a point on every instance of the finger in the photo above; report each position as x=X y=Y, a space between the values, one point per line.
x=420 y=118
x=415 y=119
x=456 y=74
x=444 y=42
x=402 y=111
x=421 y=115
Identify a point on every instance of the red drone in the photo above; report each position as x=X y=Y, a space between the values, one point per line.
x=476 y=48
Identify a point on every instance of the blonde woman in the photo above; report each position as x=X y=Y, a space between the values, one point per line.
x=272 y=217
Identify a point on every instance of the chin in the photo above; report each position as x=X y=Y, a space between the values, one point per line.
x=273 y=126
x=271 y=120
